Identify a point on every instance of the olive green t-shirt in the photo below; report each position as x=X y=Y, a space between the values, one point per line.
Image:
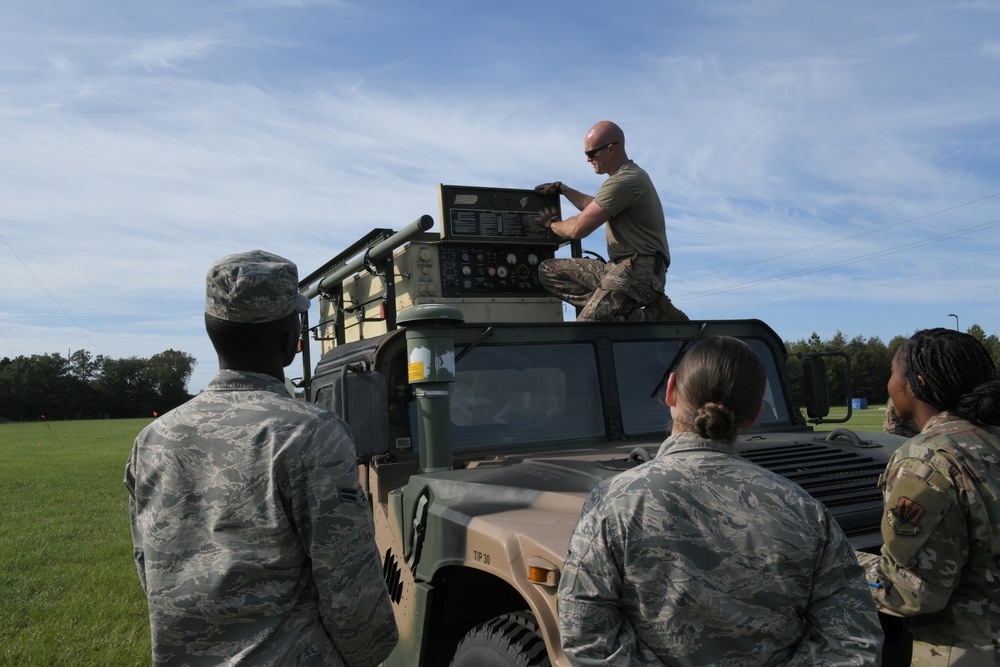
x=637 y=225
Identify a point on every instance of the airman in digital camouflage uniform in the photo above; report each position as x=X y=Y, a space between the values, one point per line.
x=700 y=557
x=638 y=254
x=940 y=563
x=253 y=541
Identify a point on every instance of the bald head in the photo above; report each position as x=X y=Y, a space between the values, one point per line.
x=606 y=132
x=604 y=146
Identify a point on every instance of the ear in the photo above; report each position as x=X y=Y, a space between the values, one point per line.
x=289 y=342
x=753 y=420
x=672 y=390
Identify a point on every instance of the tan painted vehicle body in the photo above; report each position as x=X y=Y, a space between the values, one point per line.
x=480 y=439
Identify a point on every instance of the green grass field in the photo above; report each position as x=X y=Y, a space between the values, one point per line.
x=862 y=421
x=69 y=594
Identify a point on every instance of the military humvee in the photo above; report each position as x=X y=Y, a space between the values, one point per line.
x=482 y=420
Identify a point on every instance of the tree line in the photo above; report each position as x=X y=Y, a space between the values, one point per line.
x=871 y=363
x=50 y=386
x=81 y=386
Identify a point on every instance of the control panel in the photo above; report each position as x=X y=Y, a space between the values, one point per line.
x=491 y=269
x=496 y=215
x=484 y=261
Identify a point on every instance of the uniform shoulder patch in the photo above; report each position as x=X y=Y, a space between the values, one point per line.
x=905 y=516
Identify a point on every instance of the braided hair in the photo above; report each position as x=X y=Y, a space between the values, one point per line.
x=721 y=381
x=951 y=370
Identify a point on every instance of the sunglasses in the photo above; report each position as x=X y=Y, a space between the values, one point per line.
x=592 y=153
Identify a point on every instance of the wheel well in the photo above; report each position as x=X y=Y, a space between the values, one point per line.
x=464 y=598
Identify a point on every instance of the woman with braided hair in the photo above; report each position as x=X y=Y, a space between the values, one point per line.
x=700 y=557
x=940 y=562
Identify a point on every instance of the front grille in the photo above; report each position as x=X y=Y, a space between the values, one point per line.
x=843 y=480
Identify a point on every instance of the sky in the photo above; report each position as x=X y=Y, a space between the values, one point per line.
x=823 y=166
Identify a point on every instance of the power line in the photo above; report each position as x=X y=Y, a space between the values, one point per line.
x=830 y=243
x=6 y=342
x=44 y=289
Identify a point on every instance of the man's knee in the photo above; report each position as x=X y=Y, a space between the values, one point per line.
x=662 y=309
x=610 y=306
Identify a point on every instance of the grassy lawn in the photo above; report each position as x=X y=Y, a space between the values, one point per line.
x=69 y=593
x=862 y=421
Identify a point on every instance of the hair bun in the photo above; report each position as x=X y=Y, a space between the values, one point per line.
x=714 y=420
x=982 y=404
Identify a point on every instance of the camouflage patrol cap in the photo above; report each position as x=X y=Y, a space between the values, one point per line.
x=253 y=287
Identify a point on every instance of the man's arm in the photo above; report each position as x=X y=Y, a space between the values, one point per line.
x=354 y=602
x=138 y=552
x=575 y=197
x=580 y=226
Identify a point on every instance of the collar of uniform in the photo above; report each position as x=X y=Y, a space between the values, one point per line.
x=623 y=165
x=231 y=380
x=687 y=442
x=940 y=418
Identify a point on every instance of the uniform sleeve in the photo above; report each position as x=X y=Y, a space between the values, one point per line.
x=592 y=625
x=925 y=540
x=842 y=626
x=334 y=520
x=614 y=196
x=138 y=550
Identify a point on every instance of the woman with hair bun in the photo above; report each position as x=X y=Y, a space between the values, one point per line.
x=940 y=562
x=700 y=557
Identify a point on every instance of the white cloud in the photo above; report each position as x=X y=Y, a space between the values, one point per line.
x=772 y=131
x=168 y=53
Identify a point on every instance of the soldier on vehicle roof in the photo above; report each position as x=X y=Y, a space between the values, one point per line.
x=638 y=255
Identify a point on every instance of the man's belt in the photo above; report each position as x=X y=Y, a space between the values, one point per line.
x=660 y=261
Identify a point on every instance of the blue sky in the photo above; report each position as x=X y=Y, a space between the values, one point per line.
x=823 y=166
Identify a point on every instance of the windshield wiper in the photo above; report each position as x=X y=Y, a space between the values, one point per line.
x=677 y=359
x=483 y=336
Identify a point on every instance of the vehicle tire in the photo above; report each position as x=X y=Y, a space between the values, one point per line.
x=509 y=640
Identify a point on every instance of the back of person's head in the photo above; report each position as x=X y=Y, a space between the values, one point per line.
x=252 y=299
x=720 y=382
x=951 y=370
x=243 y=344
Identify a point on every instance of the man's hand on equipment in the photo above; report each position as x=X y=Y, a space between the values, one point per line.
x=549 y=188
x=548 y=215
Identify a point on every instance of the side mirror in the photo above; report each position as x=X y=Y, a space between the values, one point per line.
x=817 y=392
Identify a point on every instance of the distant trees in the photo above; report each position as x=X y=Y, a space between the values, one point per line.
x=871 y=362
x=86 y=387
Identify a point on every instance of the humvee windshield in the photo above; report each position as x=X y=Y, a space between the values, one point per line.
x=525 y=394
x=538 y=393
x=640 y=368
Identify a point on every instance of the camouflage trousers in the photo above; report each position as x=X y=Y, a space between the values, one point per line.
x=608 y=292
